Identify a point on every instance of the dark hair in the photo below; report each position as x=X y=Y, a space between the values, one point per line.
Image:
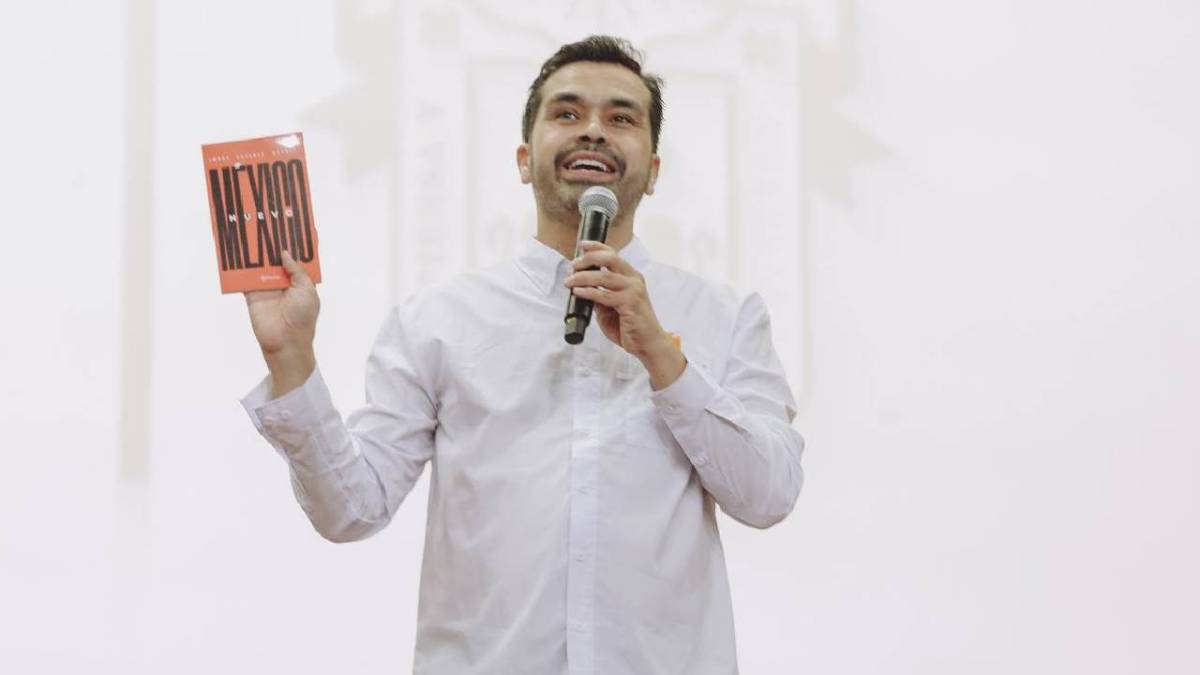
x=600 y=49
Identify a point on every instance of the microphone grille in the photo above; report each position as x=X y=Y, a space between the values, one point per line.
x=598 y=197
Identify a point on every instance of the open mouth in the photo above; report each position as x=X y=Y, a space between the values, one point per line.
x=589 y=166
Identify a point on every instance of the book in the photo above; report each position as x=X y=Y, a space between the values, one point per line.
x=261 y=205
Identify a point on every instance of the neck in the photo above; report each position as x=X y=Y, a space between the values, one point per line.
x=560 y=235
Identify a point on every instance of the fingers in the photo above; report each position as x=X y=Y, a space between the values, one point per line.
x=295 y=271
x=606 y=278
x=600 y=296
x=617 y=285
x=616 y=291
x=597 y=254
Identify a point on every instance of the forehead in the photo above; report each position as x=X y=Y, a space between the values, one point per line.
x=596 y=83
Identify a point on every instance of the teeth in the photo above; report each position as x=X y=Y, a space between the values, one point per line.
x=588 y=163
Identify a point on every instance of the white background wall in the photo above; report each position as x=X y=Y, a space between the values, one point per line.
x=976 y=224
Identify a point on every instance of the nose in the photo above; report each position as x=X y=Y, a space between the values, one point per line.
x=594 y=131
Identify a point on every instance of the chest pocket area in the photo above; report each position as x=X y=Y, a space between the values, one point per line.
x=505 y=378
x=643 y=425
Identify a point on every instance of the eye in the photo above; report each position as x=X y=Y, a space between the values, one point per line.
x=623 y=119
x=567 y=114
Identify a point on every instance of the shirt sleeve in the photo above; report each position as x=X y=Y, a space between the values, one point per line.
x=737 y=432
x=351 y=476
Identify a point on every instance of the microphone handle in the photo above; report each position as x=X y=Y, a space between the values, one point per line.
x=593 y=226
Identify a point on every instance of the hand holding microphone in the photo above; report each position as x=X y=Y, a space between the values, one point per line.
x=597 y=208
x=622 y=302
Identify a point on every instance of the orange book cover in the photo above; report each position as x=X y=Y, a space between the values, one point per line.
x=259 y=197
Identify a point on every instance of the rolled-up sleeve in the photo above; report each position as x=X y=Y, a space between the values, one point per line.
x=351 y=476
x=737 y=432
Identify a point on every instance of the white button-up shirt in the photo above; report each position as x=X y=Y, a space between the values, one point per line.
x=571 y=524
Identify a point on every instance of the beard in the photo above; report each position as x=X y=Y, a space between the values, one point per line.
x=559 y=198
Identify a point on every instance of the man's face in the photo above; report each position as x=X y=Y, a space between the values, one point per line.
x=592 y=128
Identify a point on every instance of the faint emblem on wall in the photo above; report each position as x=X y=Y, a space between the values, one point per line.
x=750 y=94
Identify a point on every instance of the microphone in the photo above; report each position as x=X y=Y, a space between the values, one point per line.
x=597 y=207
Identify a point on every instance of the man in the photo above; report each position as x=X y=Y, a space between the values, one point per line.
x=571 y=524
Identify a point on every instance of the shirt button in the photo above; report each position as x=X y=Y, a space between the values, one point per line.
x=701 y=461
x=285 y=416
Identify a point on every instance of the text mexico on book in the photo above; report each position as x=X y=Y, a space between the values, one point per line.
x=259 y=196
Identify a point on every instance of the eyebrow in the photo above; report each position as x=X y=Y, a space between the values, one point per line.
x=569 y=97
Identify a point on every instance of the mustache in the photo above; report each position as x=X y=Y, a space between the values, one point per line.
x=598 y=149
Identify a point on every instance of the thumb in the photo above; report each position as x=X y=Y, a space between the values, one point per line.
x=295 y=271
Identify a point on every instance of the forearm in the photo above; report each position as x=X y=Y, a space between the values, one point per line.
x=337 y=479
x=749 y=461
x=336 y=485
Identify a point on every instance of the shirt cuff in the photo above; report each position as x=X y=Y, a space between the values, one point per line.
x=287 y=420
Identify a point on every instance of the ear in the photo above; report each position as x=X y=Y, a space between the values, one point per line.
x=524 y=157
x=654 y=163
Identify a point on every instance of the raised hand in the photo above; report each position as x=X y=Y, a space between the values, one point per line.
x=285 y=322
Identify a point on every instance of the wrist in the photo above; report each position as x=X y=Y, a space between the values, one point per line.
x=664 y=362
x=290 y=368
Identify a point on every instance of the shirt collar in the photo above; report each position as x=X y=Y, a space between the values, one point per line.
x=547 y=268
